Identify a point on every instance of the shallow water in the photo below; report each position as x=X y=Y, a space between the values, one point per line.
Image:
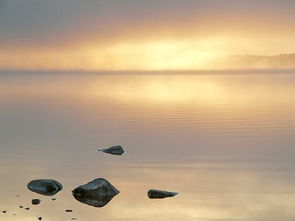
x=226 y=142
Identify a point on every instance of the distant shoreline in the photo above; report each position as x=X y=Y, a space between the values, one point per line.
x=152 y=72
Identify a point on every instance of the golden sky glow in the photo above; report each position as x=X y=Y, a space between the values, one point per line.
x=136 y=35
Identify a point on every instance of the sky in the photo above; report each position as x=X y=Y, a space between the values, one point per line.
x=141 y=34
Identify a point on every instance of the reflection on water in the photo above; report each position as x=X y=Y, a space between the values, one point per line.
x=225 y=142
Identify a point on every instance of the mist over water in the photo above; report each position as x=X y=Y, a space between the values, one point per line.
x=225 y=142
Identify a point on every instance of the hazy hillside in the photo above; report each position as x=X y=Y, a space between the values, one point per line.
x=282 y=61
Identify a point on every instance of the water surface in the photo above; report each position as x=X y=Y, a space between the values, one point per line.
x=225 y=142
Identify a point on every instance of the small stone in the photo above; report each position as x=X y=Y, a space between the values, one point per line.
x=68 y=210
x=21 y=207
x=40 y=218
x=4 y=211
x=53 y=199
x=115 y=150
x=36 y=201
x=27 y=208
x=160 y=194
x=74 y=218
x=45 y=187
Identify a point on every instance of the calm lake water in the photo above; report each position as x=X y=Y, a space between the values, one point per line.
x=225 y=142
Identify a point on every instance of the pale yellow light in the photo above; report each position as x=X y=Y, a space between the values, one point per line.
x=190 y=54
x=165 y=55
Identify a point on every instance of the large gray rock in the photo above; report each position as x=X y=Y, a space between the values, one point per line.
x=45 y=187
x=115 y=150
x=159 y=194
x=96 y=193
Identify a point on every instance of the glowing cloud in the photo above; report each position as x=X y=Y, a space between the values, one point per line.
x=142 y=35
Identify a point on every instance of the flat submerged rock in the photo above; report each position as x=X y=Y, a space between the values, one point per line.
x=45 y=187
x=114 y=150
x=160 y=194
x=97 y=193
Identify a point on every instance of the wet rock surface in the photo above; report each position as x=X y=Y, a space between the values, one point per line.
x=97 y=193
x=160 y=194
x=114 y=150
x=45 y=187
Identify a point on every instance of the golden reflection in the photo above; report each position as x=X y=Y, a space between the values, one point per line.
x=217 y=195
x=217 y=191
x=221 y=104
x=195 y=90
x=105 y=108
x=200 y=90
x=208 y=191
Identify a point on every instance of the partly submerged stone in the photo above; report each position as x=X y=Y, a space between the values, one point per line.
x=159 y=194
x=96 y=193
x=36 y=201
x=115 y=150
x=45 y=187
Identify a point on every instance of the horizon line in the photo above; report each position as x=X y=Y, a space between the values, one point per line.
x=193 y=71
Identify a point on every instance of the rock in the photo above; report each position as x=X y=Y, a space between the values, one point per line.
x=36 y=201
x=69 y=210
x=4 y=211
x=40 y=218
x=45 y=187
x=21 y=207
x=27 y=208
x=115 y=150
x=159 y=194
x=96 y=193
x=53 y=199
